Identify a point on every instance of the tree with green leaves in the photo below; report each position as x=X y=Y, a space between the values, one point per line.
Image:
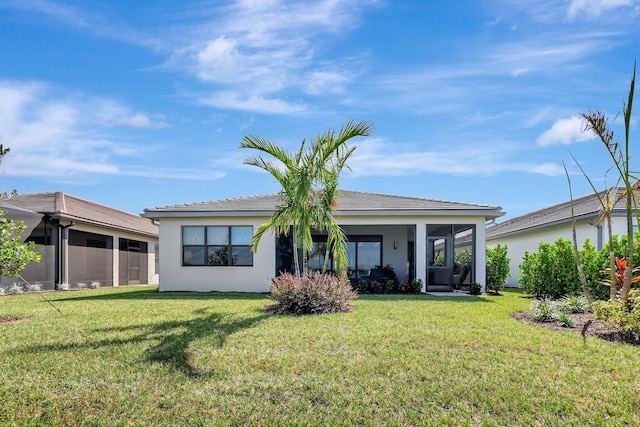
x=14 y=254
x=309 y=180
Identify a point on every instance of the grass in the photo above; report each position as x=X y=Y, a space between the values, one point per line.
x=133 y=356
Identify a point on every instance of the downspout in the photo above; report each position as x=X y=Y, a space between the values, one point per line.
x=599 y=243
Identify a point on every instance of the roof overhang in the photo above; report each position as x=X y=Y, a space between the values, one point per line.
x=485 y=213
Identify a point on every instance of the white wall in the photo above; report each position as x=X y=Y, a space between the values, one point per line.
x=529 y=241
x=176 y=277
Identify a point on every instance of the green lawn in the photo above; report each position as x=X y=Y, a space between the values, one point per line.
x=133 y=356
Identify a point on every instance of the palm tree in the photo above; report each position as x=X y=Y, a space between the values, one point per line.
x=309 y=184
x=332 y=159
x=596 y=122
x=283 y=217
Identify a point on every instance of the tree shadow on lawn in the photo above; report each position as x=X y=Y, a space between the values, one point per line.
x=174 y=338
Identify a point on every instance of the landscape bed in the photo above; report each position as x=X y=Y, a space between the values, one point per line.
x=134 y=356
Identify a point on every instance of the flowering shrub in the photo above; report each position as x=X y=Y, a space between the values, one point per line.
x=312 y=293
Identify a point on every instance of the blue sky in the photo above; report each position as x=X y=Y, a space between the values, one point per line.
x=141 y=104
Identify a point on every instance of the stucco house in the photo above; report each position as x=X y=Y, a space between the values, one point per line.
x=206 y=246
x=83 y=241
x=526 y=232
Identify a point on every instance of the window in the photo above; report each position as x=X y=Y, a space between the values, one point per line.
x=364 y=253
x=217 y=245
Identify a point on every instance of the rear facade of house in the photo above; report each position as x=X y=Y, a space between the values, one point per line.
x=83 y=242
x=525 y=233
x=206 y=246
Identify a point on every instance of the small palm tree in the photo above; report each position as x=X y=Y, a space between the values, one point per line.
x=309 y=184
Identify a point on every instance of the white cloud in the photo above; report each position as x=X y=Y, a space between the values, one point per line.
x=594 y=8
x=252 y=103
x=375 y=157
x=564 y=131
x=321 y=82
x=141 y=120
x=264 y=50
x=63 y=137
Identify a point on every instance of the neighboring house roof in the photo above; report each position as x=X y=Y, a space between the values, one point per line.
x=585 y=207
x=59 y=205
x=349 y=203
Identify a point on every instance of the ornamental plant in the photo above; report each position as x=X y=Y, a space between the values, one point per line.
x=497 y=268
x=551 y=272
x=310 y=293
x=624 y=313
x=415 y=286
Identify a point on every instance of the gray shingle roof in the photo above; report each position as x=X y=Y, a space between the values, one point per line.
x=64 y=206
x=584 y=207
x=349 y=203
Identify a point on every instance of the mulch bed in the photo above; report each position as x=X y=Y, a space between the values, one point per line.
x=584 y=324
x=9 y=319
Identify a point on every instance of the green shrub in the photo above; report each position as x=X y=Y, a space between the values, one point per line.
x=363 y=287
x=542 y=310
x=15 y=289
x=81 y=285
x=312 y=293
x=34 y=287
x=390 y=287
x=558 y=311
x=574 y=304
x=375 y=287
x=475 y=288
x=415 y=286
x=563 y=319
x=551 y=272
x=497 y=268
x=95 y=285
x=625 y=314
x=593 y=264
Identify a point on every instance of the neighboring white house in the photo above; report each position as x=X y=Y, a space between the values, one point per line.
x=526 y=232
x=206 y=246
x=83 y=241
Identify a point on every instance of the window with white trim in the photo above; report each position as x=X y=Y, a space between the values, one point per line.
x=217 y=245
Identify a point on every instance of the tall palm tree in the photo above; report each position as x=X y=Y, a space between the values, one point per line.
x=596 y=122
x=309 y=184
x=331 y=160
x=284 y=216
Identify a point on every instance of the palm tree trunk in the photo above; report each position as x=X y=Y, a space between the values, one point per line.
x=613 y=289
x=628 y=272
x=296 y=261
x=327 y=253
